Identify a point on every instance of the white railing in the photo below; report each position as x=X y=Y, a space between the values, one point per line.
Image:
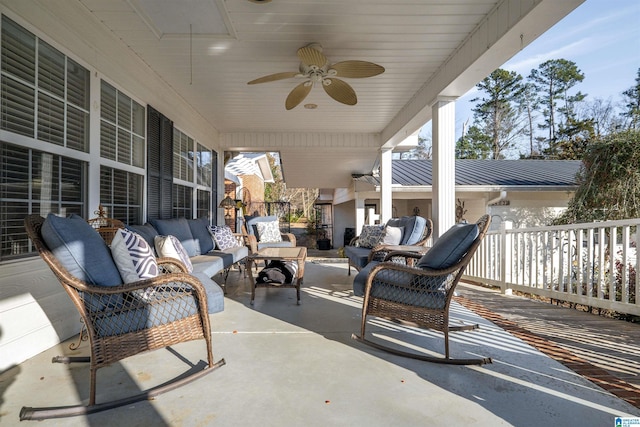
x=593 y=264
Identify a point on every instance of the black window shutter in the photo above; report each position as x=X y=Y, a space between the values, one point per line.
x=159 y=165
x=214 y=186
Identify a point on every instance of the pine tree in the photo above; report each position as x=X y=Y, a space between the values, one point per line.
x=632 y=106
x=495 y=115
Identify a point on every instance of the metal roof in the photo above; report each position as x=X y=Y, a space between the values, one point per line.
x=492 y=173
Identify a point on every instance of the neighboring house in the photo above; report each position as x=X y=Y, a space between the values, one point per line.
x=523 y=193
x=244 y=178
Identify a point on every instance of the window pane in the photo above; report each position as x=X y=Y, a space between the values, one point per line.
x=107 y=141
x=124 y=111
x=108 y=102
x=124 y=146
x=204 y=204
x=121 y=194
x=18 y=105
x=204 y=166
x=36 y=182
x=71 y=179
x=50 y=119
x=119 y=187
x=50 y=69
x=14 y=180
x=137 y=118
x=182 y=197
x=77 y=129
x=138 y=151
x=18 y=51
x=14 y=238
x=77 y=85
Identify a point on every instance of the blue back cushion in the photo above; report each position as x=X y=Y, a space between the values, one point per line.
x=413 y=228
x=450 y=247
x=178 y=227
x=201 y=234
x=80 y=249
x=147 y=232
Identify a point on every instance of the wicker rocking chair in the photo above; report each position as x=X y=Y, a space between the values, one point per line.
x=421 y=295
x=129 y=319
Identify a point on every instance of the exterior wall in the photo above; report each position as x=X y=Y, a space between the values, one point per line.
x=35 y=312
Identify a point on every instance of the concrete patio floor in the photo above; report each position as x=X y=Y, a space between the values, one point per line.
x=290 y=365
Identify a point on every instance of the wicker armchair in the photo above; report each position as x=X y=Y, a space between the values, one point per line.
x=421 y=295
x=129 y=319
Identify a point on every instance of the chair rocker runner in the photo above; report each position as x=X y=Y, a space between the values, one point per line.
x=123 y=320
x=421 y=295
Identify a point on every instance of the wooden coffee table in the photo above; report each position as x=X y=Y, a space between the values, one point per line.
x=298 y=254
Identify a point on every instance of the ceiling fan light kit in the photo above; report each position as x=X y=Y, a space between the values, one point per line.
x=315 y=67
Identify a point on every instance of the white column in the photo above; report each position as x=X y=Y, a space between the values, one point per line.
x=359 y=214
x=444 y=174
x=386 y=197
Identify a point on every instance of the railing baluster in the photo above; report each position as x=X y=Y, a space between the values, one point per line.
x=585 y=264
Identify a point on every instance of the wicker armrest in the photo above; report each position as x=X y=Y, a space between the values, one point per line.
x=402 y=254
x=289 y=237
x=171 y=265
x=252 y=243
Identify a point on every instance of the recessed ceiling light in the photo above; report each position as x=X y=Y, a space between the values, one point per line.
x=260 y=1
x=310 y=106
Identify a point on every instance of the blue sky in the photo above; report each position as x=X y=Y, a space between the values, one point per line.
x=601 y=36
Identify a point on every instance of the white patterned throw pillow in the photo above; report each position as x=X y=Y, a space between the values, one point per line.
x=223 y=236
x=269 y=232
x=133 y=256
x=170 y=247
x=371 y=236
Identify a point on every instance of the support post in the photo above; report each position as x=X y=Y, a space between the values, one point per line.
x=444 y=174
x=386 y=196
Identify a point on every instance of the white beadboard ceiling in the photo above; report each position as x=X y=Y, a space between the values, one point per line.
x=208 y=50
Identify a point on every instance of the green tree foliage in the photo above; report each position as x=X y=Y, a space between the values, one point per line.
x=632 y=104
x=552 y=80
x=274 y=191
x=475 y=144
x=495 y=115
x=608 y=182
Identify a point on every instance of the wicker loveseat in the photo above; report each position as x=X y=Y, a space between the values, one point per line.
x=413 y=231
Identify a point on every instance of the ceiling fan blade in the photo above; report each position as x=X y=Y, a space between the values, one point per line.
x=340 y=91
x=311 y=56
x=298 y=94
x=274 y=77
x=357 y=69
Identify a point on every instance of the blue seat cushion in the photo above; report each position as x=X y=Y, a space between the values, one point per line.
x=231 y=255
x=201 y=235
x=81 y=250
x=215 y=294
x=283 y=244
x=382 y=287
x=178 y=227
x=450 y=247
x=134 y=314
x=361 y=278
x=357 y=255
x=209 y=264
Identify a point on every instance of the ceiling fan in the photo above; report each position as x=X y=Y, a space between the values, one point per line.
x=315 y=67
